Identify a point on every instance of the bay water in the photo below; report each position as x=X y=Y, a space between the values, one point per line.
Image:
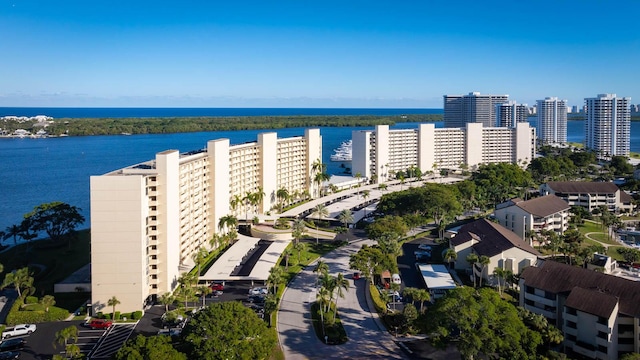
x=36 y=171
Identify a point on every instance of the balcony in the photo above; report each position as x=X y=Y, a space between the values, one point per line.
x=540 y=299
x=585 y=349
x=604 y=328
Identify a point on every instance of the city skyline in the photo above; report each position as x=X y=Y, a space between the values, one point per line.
x=330 y=54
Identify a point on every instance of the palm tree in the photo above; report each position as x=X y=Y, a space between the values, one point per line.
x=63 y=336
x=322 y=298
x=248 y=200
x=275 y=278
x=401 y=178
x=298 y=229
x=358 y=176
x=227 y=222
x=328 y=282
x=47 y=301
x=365 y=196
x=166 y=299
x=282 y=195
x=484 y=261
x=235 y=201
x=422 y=295
x=287 y=253
x=258 y=197
x=319 y=178
x=345 y=216
x=21 y=279
x=449 y=256
x=113 y=302
x=341 y=283
x=299 y=247
x=499 y=273
x=321 y=268
x=382 y=187
x=319 y=211
x=270 y=305
x=472 y=259
x=12 y=231
x=204 y=290
x=199 y=257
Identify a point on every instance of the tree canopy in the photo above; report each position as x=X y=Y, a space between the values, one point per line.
x=228 y=330
x=149 y=348
x=57 y=219
x=482 y=323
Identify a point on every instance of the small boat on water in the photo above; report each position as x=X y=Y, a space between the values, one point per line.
x=343 y=153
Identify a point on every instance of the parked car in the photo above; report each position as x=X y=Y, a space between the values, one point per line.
x=217 y=286
x=258 y=291
x=395 y=278
x=171 y=331
x=256 y=299
x=18 y=330
x=12 y=344
x=96 y=324
x=217 y=292
x=9 y=355
x=424 y=247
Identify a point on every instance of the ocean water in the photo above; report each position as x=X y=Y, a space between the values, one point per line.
x=35 y=171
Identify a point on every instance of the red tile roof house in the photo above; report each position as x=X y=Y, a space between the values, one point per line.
x=503 y=247
x=598 y=314
x=589 y=194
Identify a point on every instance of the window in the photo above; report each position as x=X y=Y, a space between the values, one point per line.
x=571 y=324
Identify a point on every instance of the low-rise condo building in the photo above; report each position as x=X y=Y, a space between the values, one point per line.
x=589 y=194
x=379 y=153
x=147 y=220
x=598 y=314
x=533 y=216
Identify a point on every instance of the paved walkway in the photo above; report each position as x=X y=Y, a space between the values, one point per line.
x=366 y=338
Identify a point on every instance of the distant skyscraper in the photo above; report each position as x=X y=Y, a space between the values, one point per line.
x=552 y=120
x=473 y=108
x=511 y=113
x=608 y=125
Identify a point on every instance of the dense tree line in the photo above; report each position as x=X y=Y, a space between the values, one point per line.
x=166 y=125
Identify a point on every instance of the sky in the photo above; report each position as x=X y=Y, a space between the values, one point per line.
x=363 y=54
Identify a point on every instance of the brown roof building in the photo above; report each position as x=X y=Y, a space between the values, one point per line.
x=599 y=314
x=503 y=247
x=532 y=216
x=589 y=194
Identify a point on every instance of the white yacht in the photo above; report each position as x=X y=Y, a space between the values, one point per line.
x=343 y=152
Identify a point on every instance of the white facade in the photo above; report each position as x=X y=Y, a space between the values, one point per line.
x=381 y=152
x=552 y=120
x=148 y=219
x=472 y=108
x=608 y=125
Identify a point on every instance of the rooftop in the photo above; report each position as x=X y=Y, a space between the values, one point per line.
x=544 y=206
x=492 y=238
x=583 y=187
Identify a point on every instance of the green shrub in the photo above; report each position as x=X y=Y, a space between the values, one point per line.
x=99 y=315
x=31 y=300
x=18 y=316
x=378 y=301
x=117 y=317
x=137 y=315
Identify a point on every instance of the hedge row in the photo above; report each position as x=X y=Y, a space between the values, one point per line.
x=18 y=316
x=136 y=315
x=378 y=301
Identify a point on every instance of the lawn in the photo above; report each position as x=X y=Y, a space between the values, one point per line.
x=600 y=234
x=54 y=262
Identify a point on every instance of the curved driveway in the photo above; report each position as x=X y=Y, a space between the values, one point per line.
x=297 y=336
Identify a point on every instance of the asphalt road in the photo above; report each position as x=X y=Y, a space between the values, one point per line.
x=297 y=336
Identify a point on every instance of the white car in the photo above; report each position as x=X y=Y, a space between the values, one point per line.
x=18 y=330
x=258 y=291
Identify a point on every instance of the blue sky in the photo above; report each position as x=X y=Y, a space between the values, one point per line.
x=313 y=54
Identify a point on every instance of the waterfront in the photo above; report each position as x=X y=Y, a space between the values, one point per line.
x=35 y=171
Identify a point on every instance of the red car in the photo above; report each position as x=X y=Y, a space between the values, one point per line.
x=217 y=287
x=100 y=324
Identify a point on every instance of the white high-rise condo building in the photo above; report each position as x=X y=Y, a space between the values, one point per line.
x=147 y=220
x=510 y=113
x=552 y=120
x=608 y=125
x=473 y=108
x=379 y=153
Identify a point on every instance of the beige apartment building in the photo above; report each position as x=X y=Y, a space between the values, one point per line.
x=148 y=219
x=379 y=153
x=542 y=213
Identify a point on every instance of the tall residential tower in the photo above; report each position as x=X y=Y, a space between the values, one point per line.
x=511 y=113
x=460 y=110
x=608 y=125
x=552 y=120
